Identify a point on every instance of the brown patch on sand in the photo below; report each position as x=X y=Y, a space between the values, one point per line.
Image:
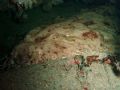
x=90 y=35
x=93 y=58
x=40 y=39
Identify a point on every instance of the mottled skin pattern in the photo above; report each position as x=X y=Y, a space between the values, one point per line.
x=91 y=59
